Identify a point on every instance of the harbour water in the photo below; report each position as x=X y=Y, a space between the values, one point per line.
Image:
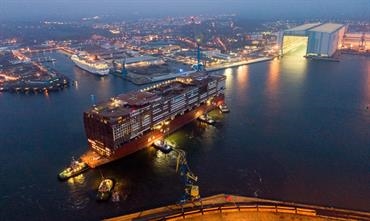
x=298 y=130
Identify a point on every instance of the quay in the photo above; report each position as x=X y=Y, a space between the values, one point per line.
x=32 y=77
x=61 y=49
x=36 y=86
x=225 y=207
x=66 y=51
x=141 y=79
x=240 y=63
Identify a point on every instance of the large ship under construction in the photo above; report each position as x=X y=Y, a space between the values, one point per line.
x=129 y=122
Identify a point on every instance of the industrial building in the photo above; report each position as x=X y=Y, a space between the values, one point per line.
x=143 y=60
x=359 y=42
x=321 y=40
x=140 y=61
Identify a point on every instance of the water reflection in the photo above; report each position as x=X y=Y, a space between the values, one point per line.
x=77 y=180
x=197 y=134
x=367 y=89
x=77 y=197
x=296 y=66
x=161 y=160
x=249 y=163
x=242 y=74
x=229 y=77
x=272 y=83
x=79 y=74
x=367 y=85
x=104 y=86
x=272 y=86
x=121 y=187
x=76 y=84
x=46 y=94
x=209 y=133
x=242 y=81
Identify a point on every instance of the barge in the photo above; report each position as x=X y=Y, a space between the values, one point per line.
x=132 y=121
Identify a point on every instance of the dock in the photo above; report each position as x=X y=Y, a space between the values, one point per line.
x=224 y=207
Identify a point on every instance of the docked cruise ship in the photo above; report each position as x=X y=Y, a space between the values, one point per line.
x=90 y=64
x=129 y=122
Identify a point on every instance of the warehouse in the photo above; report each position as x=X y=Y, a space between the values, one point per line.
x=315 y=39
x=325 y=39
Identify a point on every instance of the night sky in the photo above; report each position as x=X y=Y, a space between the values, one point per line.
x=23 y=10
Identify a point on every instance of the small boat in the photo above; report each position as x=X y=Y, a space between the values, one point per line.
x=206 y=119
x=224 y=108
x=105 y=189
x=76 y=168
x=163 y=146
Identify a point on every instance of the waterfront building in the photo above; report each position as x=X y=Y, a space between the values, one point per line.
x=137 y=62
x=144 y=60
x=358 y=41
x=325 y=39
x=321 y=40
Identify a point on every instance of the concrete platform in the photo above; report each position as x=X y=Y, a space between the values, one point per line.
x=224 y=207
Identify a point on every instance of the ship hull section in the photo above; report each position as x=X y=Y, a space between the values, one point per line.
x=93 y=159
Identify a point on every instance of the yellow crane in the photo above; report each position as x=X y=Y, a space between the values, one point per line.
x=191 y=191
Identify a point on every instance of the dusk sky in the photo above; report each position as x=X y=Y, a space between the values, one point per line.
x=40 y=9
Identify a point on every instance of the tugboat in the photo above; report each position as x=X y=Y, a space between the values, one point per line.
x=223 y=108
x=206 y=119
x=163 y=146
x=76 y=168
x=105 y=190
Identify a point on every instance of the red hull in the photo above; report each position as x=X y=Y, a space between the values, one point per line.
x=93 y=159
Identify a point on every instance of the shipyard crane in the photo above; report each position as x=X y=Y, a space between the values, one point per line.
x=199 y=66
x=191 y=191
x=363 y=41
x=124 y=70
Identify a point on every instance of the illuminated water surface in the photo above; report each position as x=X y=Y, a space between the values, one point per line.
x=298 y=130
